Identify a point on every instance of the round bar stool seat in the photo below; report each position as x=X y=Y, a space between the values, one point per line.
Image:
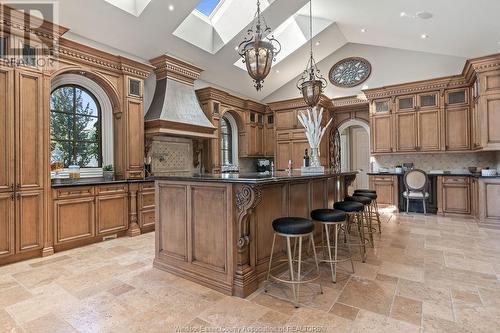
x=293 y=225
x=294 y=228
x=349 y=206
x=372 y=196
x=328 y=215
x=361 y=199
x=365 y=191
x=336 y=221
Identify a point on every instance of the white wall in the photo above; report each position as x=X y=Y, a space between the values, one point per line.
x=389 y=66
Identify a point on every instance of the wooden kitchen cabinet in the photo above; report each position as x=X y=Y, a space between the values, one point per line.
x=387 y=189
x=456 y=195
x=74 y=219
x=474 y=197
x=283 y=154
x=457 y=129
x=147 y=205
x=405 y=103
x=406 y=131
x=269 y=139
x=29 y=217
x=489 y=209
x=7 y=242
x=382 y=132
x=429 y=129
x=29 y=127
x=6 y=131
x=111 y=209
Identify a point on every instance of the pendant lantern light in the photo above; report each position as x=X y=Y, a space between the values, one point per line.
x=258 y=50
x=311 y=84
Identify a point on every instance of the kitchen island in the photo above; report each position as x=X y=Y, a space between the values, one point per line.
x=216 y=230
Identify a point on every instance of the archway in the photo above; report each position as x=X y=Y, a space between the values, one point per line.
x=355 y=149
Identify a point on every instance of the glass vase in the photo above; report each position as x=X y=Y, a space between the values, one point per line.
x=315 y=161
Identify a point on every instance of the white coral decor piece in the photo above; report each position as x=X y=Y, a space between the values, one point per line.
x=312 y=126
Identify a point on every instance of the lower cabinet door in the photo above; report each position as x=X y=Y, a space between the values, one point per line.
x=112 y=213
x=74 y=219
x=147 y=219
x=6 y=224
x=29 y=220
x=456 y=199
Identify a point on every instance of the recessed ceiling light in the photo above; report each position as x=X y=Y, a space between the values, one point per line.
x=171 y=8
x=363 y=30
x=277 y=71
x=403 y=14
x=424 y=36
x=317 y=43
x=236 y=48
x=424 y=15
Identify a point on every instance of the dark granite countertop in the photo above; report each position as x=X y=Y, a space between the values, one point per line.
x=449 y=174
x=254 y=178
x=60 y=183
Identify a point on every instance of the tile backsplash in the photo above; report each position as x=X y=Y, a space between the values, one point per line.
x=440 y=161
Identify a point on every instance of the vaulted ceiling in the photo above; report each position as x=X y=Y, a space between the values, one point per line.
x=376 y=30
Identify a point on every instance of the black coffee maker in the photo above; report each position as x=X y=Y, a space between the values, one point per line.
x=263 y=165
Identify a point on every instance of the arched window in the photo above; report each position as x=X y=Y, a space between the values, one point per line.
x=75 y=126
x=226 y=141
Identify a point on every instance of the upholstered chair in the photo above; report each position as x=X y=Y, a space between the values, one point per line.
x=416 y=187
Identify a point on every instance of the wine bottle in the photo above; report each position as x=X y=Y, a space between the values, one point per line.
x=306 y=159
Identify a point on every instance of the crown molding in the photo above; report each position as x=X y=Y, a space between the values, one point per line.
x=225 y=98
x=299 y=103
x=176 y=69
x=349 y=101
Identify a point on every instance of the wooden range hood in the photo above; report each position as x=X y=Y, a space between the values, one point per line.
x=175 y=110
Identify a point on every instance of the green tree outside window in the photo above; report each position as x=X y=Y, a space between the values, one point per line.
x=75 y=127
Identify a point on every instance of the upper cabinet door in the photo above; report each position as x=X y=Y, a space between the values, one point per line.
x=429 y=130
x=29 y=126
x=6 y=130
x=457 y=128
x=457 y=97
x=381 y=127
x=405 y=103
x=406 y=132
x=428 y=100
x=381 y=106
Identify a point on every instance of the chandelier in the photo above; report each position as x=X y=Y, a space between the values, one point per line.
x=311 y=84
x=259 y=51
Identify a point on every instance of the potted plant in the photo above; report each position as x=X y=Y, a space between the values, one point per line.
x=107 y=172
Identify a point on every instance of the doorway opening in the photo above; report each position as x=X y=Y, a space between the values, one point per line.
x=355 y=150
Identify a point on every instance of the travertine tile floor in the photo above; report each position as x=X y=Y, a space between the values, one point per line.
x=425 y=274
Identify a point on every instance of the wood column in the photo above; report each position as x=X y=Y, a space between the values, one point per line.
x=134 y=229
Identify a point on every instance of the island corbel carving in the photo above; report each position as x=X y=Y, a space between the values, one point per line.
x=247 y=198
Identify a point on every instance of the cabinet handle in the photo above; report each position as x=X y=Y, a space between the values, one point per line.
x=12 y=197
x=12 y=187
x=18 y=195
x=18 y=186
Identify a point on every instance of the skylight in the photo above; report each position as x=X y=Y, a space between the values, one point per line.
x=207 y=7
x=214 y=23
x=134 y=7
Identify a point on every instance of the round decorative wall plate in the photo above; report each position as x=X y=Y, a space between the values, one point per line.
x=350 y=72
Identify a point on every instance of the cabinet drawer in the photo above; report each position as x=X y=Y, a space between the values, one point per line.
x=149 y=186
x=382 y=179
x=74 y=192
x=112 y=189
x=147 y=218
x=147 y=200
x=455 y=180
x=282 y=136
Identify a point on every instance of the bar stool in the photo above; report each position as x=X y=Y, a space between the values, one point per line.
x=296 y=228
x=337 y=219
x=367 y=216
x=372 y=194
x=354 y=211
